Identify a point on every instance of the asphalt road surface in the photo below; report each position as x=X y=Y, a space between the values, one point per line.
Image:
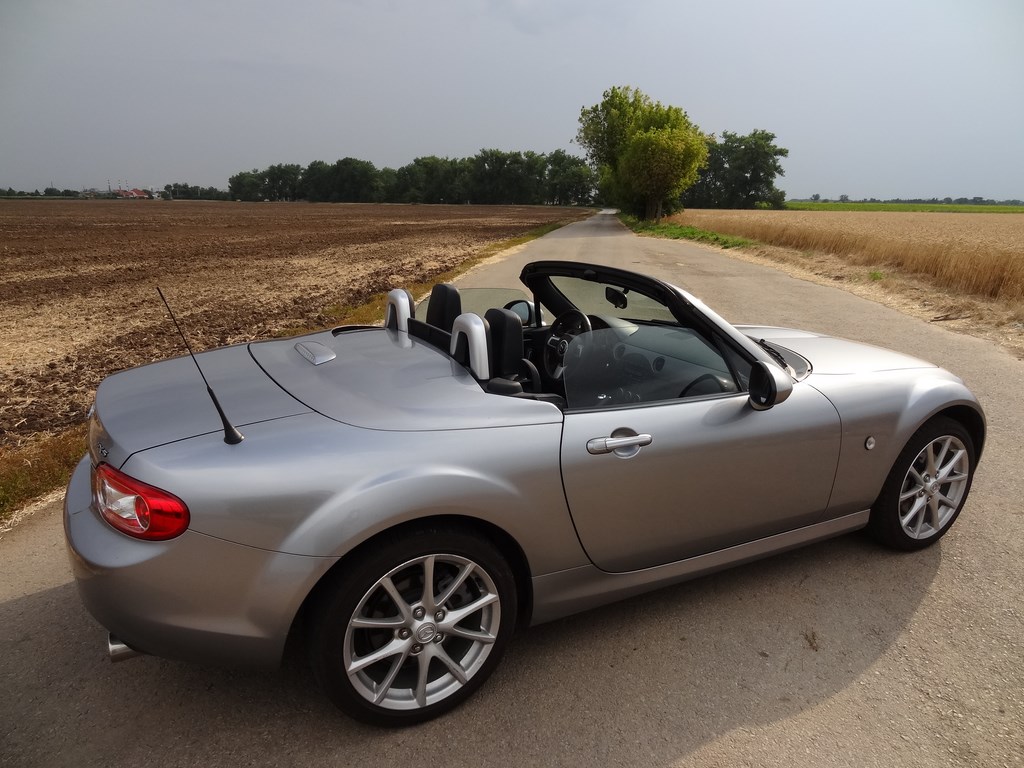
x=840 y=654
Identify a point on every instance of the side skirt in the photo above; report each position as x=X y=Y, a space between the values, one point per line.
x=579 y=589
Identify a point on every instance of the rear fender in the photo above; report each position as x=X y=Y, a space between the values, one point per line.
x=509 y=477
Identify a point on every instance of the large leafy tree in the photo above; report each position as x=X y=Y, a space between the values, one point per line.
x=317 y=182
x=740 y=173
x=430 y=179
x=658 y=164
x=354 y=181
x=569 y=180
x=246 y=185
x=281 y=181
x=645 y=153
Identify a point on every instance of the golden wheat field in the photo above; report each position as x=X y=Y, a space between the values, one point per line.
x=979 y=254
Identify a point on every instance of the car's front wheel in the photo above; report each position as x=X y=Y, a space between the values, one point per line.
x=926 y=488
x=410 y=629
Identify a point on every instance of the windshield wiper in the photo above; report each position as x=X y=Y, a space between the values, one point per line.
x=775 y=354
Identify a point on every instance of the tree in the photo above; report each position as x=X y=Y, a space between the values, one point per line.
x=844 y=198
x=740 y=173
x=354 y=181
x=497 y=177
x=568 y=180
x=815 y=197
x=281 y=182
x=431 y=179
x=658 y=164
x=645 y=153
x=246 y=185
x=315 y=182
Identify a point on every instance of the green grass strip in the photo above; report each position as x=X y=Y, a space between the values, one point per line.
x=903 y=207
x=680 y=232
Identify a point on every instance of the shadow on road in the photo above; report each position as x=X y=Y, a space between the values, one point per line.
x=643 y=682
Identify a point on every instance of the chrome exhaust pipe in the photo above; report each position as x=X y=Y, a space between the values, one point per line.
x=119 y=651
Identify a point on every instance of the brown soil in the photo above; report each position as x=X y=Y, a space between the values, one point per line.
x=78 y=281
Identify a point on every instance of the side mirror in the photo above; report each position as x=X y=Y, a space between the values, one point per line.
x=769 y=386
x=524 y=309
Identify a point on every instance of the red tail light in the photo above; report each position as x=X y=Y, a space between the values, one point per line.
x=135 y=508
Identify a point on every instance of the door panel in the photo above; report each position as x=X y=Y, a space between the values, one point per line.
x=715 y=473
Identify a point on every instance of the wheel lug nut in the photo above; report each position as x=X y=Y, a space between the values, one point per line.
x=438 y=638
x=439 y=616
x=417 y=648
x=418 y=613
x=404 y=633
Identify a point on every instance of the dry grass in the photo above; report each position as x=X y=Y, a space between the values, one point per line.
x=28 y=471
x=1000 y=321
x=967 y=254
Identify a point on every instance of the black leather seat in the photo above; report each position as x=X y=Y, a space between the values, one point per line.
x=511 y=372
x=445 y=305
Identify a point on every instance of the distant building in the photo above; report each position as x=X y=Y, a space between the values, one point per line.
x=132 y=194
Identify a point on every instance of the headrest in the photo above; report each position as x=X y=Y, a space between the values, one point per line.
x=506 y=329
x=445 y=305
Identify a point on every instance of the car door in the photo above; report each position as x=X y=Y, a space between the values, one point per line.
x=652 y=483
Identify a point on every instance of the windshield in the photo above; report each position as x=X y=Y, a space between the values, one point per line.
x=607 y=300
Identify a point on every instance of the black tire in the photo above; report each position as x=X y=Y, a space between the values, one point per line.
x=919 y=502
x=433 y=653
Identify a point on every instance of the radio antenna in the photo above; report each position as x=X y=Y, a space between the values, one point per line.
x=231 y=435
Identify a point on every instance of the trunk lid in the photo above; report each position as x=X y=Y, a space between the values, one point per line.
x=167 y=401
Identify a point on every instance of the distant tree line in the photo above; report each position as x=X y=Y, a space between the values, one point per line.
x=816 y=198
x=492 y=176
x=183 y=191
x=48 y=192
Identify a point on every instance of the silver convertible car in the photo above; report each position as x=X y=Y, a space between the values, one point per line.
x=398 y=499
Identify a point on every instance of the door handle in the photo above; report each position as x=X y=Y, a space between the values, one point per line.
x=620 y=446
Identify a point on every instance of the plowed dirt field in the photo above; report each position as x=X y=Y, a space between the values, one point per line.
x=78 y=281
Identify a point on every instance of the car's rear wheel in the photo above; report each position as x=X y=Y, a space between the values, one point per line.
x=926 y=488
x=410 y=629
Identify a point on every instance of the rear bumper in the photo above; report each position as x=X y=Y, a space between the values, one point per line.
x=195 y=598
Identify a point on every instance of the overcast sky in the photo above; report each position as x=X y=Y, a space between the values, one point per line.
x=873 y=98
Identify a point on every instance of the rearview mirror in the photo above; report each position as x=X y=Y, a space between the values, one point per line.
x=615 y=297
x=769 y=386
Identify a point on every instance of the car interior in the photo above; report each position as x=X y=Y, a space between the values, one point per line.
x=580 y=360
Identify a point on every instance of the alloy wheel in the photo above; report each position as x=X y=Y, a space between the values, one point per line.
x=421 y=632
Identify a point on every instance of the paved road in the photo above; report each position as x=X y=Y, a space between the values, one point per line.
x=841 y=654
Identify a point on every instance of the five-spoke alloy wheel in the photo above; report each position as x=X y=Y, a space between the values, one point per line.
x=409 y=630
x=926 y=488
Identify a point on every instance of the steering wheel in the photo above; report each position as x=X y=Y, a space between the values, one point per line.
x=567 y=326
x=703 y=377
